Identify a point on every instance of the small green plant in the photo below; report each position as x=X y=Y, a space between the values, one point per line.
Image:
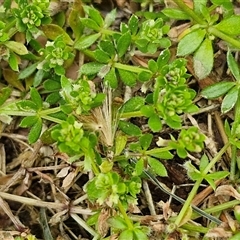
x=205 y=28
x=119 y=141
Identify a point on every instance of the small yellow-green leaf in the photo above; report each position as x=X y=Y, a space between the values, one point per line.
x=120 y=143
x=155 y=123
x=16 y=47
x=203 y=59
x=52 y=31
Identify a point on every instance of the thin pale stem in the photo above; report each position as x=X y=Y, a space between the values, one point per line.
x=126 y=218
x=189 y=12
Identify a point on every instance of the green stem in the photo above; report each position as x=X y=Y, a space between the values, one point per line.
x=197 y=184
x=215 y=159
x=158 y=150
x=123 y=212
x=224 y=37
x=233 y=163
x=188 y=202
x=194 y=228
x=108 y=31
x=130 y=68
x=50 y=111
x=52 y=119
x=218 y=208
x=189 y=12
x=10 y=25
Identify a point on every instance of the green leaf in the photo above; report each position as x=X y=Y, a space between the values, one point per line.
x=181 y=152
x=139 y=234
x=110 y=18
x=147 y=110
x=108 y=47
x=154 y=122
x=89 y=23
x=139 y=166
x=127 y=234
x=86 y=41
x=53 y=98
x=203 y=162
x=203 y=59
x=38 y=77
x=117 y=222
x=227 y=128
x=27 y=105
x=216 y=90
x=144 y=76
x=175 y=13
x=4 y=94
x=146 y=140
x=13 y=61
x=211 y=182
x=163 y=58
x=195 y=175
x=230 y=100
x=16 y=47
x=110 y=79
x=35 y=131
x=232 y=64
x=94 y=14
x=230 y=25
x=133 y=24
x=35 y=97
x=28 y=121
x=133 y=104
x=157 y=167
x=218 y=175
x=92 y=192
x=101 y=56
x=190 y=42
x=198 y=4
x=91 y=68
x=120 y=143
x=52 y=31
x=127 y=77
x=153 y=66
x=129 y=128
x=27 y=71
x=123 y=43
